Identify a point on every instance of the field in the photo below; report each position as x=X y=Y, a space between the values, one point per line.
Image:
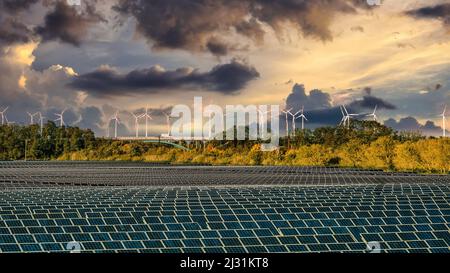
x=139 y=207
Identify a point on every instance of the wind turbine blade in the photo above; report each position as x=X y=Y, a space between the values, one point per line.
x=345 y=109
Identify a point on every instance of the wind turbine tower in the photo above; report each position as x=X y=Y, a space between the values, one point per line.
x=3 y=113
x=347 y=116
x=116 y=121
x=344 y=117
x=286 y=113
x=147 y=116
x=61 y=118
x=31 y=117
x=41 y=121
x=444 y=121
x=168 y=117
x=374 y=115
x=136 y=122
x=302 y=116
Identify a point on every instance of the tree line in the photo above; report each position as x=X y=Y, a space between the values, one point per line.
x=366 y=144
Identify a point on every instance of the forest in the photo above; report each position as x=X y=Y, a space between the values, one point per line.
x=366 y=144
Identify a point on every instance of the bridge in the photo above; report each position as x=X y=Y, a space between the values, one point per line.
x=164 y=140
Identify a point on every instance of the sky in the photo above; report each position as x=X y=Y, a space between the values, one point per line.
x=104 y=56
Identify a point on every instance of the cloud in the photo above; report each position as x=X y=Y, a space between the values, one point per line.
x=66 y=24
x=92 y=118
x=225 y=78
x=357 y=29
x=439 y=12
x=316 y=99
x=370 y=102
x=367 y=101
x=191 y=24
x=319 y=108
x=410 y=124
x=12 y=29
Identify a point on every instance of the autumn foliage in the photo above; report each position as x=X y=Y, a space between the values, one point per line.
x=365 y=145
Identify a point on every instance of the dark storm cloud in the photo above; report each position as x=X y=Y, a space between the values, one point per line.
x=370 y=102
x=368 y=91
x=12 y=30
x=225 y=78
x=190 y=24
x=67 y=24
x=440 y=12
x=16 y=5
x=316 y=99
x=217 y=47
x=321 y=112
x=410 y=124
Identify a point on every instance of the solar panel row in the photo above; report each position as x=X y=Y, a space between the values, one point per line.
x=20 y=174
x=401 y=217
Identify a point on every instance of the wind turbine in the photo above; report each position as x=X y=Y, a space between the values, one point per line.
x=168 y=117
x=344 y=117
x=374 y=115
x=347 y=116
x=31 y=117
x=116 y=121
x=147 y=116
x=444 y=120
x=302 y=116
x=136 y=122
x=61 y=118
x=41 y=120
x=287 y=112
x=3 y=113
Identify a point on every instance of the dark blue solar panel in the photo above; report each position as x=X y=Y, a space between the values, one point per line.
x=404 y=217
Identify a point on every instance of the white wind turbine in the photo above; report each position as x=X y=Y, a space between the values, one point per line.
x=31 y=117
x=168 y=117
x=444 y=121
x=3 y=113
x=347 y=116
x=374 y=115
x=116 y=119
x=61 y=118
x=147 y=116
x=344 y=117
x=136 y=122
x=41 y=121
x=287 y=112
x=302 y=116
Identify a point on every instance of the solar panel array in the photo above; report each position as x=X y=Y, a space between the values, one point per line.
x=341 y=211
x=25 y=174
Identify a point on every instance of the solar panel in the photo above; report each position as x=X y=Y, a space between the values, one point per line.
x=106 y=207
